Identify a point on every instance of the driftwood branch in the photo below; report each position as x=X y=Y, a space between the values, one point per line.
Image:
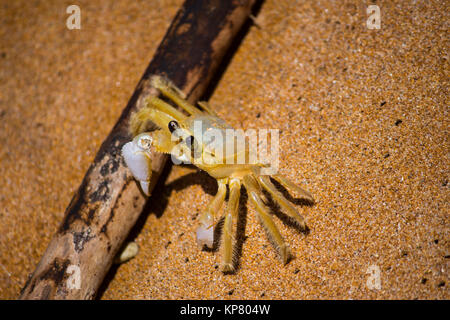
x=108 y=201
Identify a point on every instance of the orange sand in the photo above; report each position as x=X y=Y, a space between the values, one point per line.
x=363 y=115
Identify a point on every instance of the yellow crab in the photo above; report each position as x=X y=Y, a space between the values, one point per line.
x=193 y=138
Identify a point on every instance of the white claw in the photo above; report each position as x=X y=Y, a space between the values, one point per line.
x=145 y=187
x=205 y=236
x=136 y=154
x=205 y=232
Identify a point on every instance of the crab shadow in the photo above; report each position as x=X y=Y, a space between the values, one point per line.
x=276 y=210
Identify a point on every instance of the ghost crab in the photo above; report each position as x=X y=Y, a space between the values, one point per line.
x=176 y=135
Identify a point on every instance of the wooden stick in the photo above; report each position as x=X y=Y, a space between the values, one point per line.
x=108 y=201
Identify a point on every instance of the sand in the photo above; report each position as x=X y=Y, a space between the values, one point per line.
x=363 y=125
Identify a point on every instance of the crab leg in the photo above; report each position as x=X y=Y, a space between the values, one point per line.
x=165 y=107
x=173 y=93
x=205 y=232
x=263 y=212
x=158 y=111
x=227 y=234
x=205 y=105
x=292 y=186
x=282 y=201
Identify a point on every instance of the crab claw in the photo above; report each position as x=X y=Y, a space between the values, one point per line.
x=137 y=156
x=205 y=232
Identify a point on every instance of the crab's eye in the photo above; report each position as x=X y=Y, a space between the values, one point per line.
x=173 y=125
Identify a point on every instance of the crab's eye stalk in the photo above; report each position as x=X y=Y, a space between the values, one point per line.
x=173 y=125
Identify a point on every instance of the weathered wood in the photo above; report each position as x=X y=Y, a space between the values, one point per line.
x=108 y=201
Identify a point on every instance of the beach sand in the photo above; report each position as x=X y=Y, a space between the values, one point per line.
x=363 y=120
